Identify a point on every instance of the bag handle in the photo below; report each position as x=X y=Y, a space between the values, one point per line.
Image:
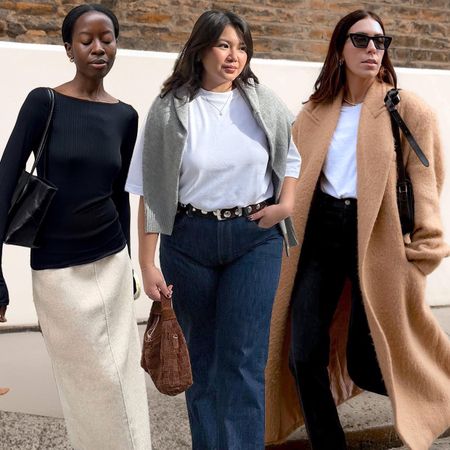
x=45 y=135
x=167 y=311
x=18 y=195
x=391 y=100
x=401 y=171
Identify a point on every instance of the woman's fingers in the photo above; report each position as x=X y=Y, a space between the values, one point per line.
x=166 y=290
x=153 y=293
x=257 y=215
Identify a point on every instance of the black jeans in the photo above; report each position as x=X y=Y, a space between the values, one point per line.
x=328 y=258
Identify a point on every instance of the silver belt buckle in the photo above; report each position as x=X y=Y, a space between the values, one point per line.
x=227 y=213
x=218 y=214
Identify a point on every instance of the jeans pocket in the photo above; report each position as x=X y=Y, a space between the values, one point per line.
x=259 y=227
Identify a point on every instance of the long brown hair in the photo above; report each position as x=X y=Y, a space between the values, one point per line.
x=332 y=76
x=188 y=69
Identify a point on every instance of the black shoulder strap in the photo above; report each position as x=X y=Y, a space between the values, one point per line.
x=391 y=101
x=401 y=172
x=45 y=134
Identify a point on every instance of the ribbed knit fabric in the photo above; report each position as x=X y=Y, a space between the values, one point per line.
x=87 y=157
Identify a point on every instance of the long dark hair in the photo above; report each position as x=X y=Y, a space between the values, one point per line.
x=332 y=76
x=188 y=69
x=75 y=13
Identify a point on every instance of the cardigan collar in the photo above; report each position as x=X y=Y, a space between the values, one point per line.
x=181 y=104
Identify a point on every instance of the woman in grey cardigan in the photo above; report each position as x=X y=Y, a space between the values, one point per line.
x=216 y=170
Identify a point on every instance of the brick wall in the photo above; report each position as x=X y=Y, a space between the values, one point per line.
x=282 y=29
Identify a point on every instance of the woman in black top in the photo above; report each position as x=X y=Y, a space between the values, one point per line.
x=82 y=277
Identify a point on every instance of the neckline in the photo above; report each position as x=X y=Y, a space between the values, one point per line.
x=225 y=94
x=349 y=106
x=346 y=100
x=85 y=99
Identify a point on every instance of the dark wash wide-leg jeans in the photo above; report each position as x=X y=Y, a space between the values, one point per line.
x=225 y=275
x=328 y=258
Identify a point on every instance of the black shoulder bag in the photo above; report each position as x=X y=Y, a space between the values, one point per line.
x=405 y=194
x=31 y=198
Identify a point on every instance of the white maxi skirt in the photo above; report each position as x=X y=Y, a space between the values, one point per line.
x=88 y=323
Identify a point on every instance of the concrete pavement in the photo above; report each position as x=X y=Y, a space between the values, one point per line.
x=367 y=420
x=168 y=418
x=170 y=430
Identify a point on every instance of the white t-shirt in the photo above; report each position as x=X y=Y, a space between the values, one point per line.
x=225 y=159
x=339 y=171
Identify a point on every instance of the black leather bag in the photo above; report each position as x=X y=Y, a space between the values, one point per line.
x=405 y=193
x=31 y=199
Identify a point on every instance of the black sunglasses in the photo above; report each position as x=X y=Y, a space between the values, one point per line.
x=360 y=40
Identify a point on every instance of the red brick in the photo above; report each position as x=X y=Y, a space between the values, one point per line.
x=8 y=5
x=287 y=29
x=150 y=18
x=35 y=9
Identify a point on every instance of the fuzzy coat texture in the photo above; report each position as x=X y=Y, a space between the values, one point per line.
x=412 y=350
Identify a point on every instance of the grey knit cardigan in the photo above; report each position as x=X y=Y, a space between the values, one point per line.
x=164 y=140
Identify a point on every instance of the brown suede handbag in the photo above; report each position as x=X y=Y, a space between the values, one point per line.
x=165 y=356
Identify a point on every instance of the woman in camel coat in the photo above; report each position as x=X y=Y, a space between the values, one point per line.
x=387 y=271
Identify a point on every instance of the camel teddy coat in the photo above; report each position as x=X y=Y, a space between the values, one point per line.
x=412 y=350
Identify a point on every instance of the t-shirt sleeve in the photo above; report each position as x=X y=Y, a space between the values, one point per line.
x=134 y=184
x=293 y=161
x=24 y=139
x=120 y=196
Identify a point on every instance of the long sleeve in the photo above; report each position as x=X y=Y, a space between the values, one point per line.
x=427 y=247
x=120 y=196
x=24 y=139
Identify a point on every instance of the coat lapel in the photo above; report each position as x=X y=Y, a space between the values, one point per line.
x=312 y=134
x=375 y=158
x=324 y=120
x=375 y=154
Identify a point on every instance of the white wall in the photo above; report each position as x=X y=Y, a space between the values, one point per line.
x=136 y=79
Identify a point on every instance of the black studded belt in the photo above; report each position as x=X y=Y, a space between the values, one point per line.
x=223 y=214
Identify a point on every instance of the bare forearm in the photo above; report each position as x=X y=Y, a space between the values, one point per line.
x=287 y=196
x=152 y=277
x=147 y=241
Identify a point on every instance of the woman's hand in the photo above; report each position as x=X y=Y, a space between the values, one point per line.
x=271 y=215
x=154 y=283
x=3 y=313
